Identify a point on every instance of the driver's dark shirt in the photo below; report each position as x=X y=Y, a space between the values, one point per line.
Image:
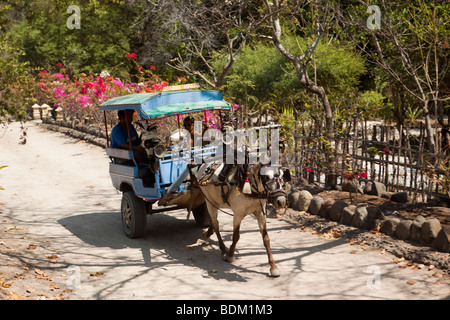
x=119 y=135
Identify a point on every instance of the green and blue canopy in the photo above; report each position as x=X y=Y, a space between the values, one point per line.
x=150 y=105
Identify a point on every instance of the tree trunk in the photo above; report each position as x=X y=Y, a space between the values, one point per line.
x=428 y=128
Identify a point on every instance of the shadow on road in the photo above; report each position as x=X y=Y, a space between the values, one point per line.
x=168 y=240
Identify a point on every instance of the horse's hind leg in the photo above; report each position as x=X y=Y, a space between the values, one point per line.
x=274 y=271
x=214 y=227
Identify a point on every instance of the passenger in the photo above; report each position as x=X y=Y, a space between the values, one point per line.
x=189 y=126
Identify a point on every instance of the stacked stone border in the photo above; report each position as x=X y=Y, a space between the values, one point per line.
x=76 y=130
x=427 y=232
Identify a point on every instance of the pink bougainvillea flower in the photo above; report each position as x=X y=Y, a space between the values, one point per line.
x=348 y=175
x=152 y=67
x=59 y=65
x=58 y=92
x=364 y=175
x=58 y=75
x=118 y=82
x=386 y=151
x=308 y=169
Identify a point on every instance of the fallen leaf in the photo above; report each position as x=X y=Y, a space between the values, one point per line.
x=96 y=274
x=437 y=275
x=13 y=228
x=15 y=296
x=42 y=275
x=411 y=282
x=4 y=283
x=53 y=256
x=353 y=252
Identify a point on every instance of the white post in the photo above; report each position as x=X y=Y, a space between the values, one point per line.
x=36 y=112
x=46 y=110
x=59 y=114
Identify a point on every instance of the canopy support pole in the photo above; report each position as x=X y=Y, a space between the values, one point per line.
x=128 y=131
x=106 y=128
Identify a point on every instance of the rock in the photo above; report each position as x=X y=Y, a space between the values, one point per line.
x=374 y=188
x=430 y=230
x=335 y=187
x=442 y=241
x=388 y=226
x=347 y=215
x=416 y=228
x=325 y=207
x=304 y=200
x=360 y=216
x=316 y=203
x=293 y=198
x=336 y=210
x=349 y=186
x=401 y=197
x=374 y=217
x=403 y=230
x=386 y=195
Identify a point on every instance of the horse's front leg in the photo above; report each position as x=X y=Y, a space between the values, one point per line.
x=237 y=219
x=274 y=271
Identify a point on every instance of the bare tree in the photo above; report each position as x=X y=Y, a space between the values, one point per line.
x=407 y=44
x=201 y=32
x=321 y=19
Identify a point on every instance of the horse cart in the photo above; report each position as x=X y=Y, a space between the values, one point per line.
x=167 y=163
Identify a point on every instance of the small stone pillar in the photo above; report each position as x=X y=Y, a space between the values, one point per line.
x=46 y=111
x=36 y=112
x=59 y=114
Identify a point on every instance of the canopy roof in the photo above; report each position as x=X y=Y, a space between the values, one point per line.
x=162 y=104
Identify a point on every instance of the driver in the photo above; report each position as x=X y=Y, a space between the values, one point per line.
x=120 y=139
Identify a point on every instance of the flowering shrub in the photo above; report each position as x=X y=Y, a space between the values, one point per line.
x=79 y=96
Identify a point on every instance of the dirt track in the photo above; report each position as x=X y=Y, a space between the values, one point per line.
x=61 y=238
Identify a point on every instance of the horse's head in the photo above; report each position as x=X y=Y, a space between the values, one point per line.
x=274 y=179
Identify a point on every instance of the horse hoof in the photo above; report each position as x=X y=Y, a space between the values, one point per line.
x=227 y=258
x=275 y=273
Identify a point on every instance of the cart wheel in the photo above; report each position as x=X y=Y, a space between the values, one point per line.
x=201 y=215
x=134 y=217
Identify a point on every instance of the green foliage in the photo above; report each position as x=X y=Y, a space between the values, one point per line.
x=102 y=40
x=16 y=85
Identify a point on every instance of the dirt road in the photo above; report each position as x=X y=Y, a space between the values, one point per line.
x=61 y=238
